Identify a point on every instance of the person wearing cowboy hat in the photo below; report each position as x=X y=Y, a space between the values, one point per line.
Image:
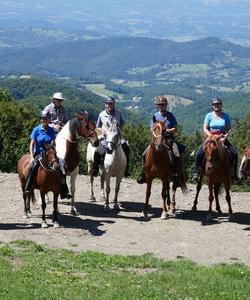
x=57 y=112
x=111 y=115
x=218 y=123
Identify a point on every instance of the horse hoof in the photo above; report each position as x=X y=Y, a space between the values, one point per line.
x=194 y=208
x=106 y=207
x=25 y=216
x=144 y=215
x=44 y=225
x=92 y=199
x=74 y=211
x=219 y=212
x=164 y=216
x=29 y=215
x=116 y=206
x=56 y=225
x=230 y=218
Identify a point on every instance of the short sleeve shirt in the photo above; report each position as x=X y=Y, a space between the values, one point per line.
x=170 y=121
x=58 y=114
x=105 y=117
x=217 y=124
x=42 y=137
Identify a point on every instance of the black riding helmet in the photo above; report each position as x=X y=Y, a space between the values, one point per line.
x=43 y=115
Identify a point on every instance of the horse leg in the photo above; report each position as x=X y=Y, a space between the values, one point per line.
x=216 y=196
x=174 y=188
x=198 y=188
x=90 y=169
x=228 y=199
x=103 y=197
x=210 y=199
x=92 y=196
x=148 y=193
x=25 y=197
x=44 y=223
x=73 y=176
x=55 y=211
x=165 y=188
x=106 y=204
x=117 y=188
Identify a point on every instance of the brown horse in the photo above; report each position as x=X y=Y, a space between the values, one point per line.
x=217 y=171
x=48 y=179
x=67 y=147
x=157 y=165
x=244 y=169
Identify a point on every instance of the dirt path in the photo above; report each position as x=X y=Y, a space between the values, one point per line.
x=186 y=235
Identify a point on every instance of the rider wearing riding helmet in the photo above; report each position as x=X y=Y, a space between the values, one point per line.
x=171 y=124
x=217 y=122
x=110 y=115
x=57 y=112
x=41 y=136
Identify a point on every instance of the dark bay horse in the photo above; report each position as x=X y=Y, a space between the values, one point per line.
x=48 y=179
x=217 y=171
x=244 y=169
x=67 y=147
x=157 y=165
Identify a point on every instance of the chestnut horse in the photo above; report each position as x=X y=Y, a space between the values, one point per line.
x=48 y=179
x=157 y=165
x=67 y=147
x=244 y=169
x=217 y=171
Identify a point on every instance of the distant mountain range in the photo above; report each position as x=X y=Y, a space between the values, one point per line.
x=172 y=19
x=126 y=58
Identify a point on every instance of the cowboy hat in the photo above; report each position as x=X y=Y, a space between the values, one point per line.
x=58 y=96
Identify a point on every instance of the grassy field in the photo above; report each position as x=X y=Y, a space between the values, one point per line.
x=31 y=271
x=100 y=89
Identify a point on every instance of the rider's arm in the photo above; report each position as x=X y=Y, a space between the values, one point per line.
x=206 y=129
x=32 y=146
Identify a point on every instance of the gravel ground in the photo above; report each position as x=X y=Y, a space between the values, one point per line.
x=185 y=235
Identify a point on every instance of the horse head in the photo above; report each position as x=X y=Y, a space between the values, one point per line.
x=50 y=160
x=244 y=170
x=113 y=137
x=158 y=134
x=212 y=149
x=86 y=129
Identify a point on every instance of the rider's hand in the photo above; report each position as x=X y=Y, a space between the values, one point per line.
x=223 y=139
x=57 y=127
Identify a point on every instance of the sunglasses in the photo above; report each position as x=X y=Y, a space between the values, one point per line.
x=161 y=104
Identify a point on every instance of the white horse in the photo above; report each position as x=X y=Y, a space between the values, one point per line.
x=67 y=147
x=114 y=165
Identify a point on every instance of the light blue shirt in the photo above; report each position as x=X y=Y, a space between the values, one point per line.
x=217 y=124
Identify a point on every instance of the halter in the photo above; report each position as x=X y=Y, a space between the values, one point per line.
x=50 y=164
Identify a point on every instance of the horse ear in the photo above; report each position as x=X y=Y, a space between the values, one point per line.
x=154 y=119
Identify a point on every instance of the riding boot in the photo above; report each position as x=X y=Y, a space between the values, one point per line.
x=179 y=173
x=29 y=184
x=126 y=150
x=64 y=190
x=97 y=161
